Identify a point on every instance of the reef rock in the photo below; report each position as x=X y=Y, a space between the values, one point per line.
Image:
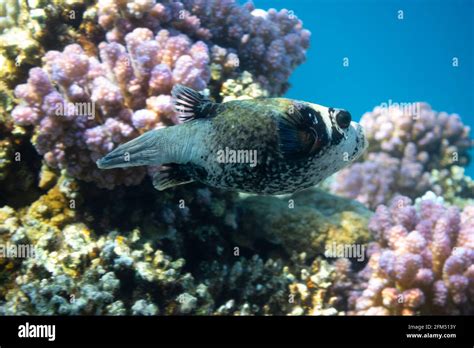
x=310 y=221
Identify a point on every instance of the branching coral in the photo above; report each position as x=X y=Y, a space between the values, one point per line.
x=404 y=147
x=422 y=262
x=321 y=288
x=28 y=28
x=269 y=44
x=454 y=185
x=100 y=104
x=82 y=106
x=249 y=286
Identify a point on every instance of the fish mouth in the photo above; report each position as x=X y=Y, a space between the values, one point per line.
x=361 y=135
x=110 y=161
x=361 y=142
x=115 y=159
x=364 y=138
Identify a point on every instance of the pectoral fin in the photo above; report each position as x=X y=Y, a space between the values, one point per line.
x=169 y=176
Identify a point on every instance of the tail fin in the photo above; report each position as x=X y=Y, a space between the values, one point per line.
x=140 y=151
x=175 y=144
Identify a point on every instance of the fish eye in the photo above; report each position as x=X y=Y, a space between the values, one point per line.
x=343 y=119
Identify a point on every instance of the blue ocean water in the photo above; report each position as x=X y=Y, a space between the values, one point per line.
x=403 y=60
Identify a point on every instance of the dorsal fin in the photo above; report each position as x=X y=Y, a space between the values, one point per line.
x=191 y=105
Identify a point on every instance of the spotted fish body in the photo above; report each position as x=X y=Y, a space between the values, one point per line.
x=297 y=144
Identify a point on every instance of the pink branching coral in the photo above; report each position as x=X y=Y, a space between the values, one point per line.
x=84 y=106
x=422 y=262
x=269 y=44
x=405 y=145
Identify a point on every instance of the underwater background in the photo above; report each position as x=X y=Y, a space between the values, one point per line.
x=391 y=234
x=403 y=60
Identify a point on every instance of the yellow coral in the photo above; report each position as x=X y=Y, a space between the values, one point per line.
x=52 y=208
x=243 y=87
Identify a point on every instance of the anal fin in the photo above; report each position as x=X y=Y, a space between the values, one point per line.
x=170 y=175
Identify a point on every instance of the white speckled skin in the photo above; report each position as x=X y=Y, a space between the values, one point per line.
x=274 y=174
x=249 y=125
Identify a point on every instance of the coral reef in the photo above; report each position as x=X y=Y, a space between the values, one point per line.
x=269 y=44
x=405 y=146
x=110 y=276
x=453 y=185
x=106 y=243
x=77 y=271
x=321 y=288
x=310 y=221
x=421 y=263
x=243 y=87
x=83 y=105
x=96 y=111
x=27 y=28
x=90 y=260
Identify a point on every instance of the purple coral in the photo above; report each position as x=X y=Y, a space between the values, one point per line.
x=83 y=106
x=404 y=147
x=269 y=44
x=422 y=262
x=122 y=94
x=380 y=177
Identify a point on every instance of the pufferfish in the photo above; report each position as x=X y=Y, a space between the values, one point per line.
x=262 y=146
